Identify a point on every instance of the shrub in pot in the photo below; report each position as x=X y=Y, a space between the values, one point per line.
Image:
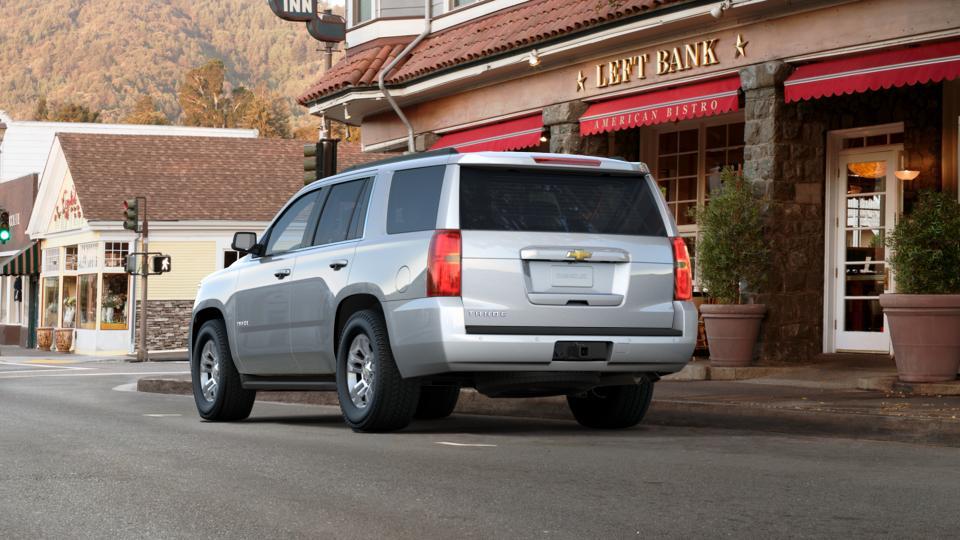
x=924 y=314
x=731 y=253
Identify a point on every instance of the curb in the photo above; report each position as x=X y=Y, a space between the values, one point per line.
x=682 y=413
x=893 y=384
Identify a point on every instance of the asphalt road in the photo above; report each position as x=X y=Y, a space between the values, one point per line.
x=80 y=458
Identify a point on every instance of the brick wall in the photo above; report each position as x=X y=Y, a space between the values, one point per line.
x=168 y=323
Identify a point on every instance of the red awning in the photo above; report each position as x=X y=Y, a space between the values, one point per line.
x=691 y=101
x=508 y=135
x=873 y=71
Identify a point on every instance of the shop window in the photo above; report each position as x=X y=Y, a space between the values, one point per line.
x=89 y=256
x=114 y=310
x=454 y=4
x=677 y=161
x=4 y=297
x=362 y=11
x=51 y=300
x=230 y=257
x=87 y=301
x=51 y=260
x=873 y=140
x=115 y=254
x=69 y=301
x=70 y=258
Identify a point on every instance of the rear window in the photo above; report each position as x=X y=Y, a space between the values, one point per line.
x=553 y=201
x=414 y=198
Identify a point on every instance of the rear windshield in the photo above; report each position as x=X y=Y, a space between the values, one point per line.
x=553 y=201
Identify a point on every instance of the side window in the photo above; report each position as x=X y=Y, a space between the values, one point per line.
x=356 y=226
x=338 y=212
x=290 y=230
x=414 y=198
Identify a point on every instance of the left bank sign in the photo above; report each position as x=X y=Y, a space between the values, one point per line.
x=294 y=10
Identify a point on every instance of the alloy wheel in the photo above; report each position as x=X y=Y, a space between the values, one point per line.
x=361 y=371
x=209 y=371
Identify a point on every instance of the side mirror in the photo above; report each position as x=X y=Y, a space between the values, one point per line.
x=245 y=242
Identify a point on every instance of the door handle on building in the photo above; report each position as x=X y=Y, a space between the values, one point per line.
x=282 y=273
x=338 y=264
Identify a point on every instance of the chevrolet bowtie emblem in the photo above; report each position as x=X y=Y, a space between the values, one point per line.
x=579 y=254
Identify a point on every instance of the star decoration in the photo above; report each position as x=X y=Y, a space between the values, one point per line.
x=581 y=80
x=741 y=46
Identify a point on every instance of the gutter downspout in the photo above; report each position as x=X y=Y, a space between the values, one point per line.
x=427 y=21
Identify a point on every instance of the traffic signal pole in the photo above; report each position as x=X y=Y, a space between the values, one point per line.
x=142 y=355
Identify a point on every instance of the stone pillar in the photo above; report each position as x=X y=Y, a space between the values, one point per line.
x=784 y=159
x=423 y=141
x=563 y=121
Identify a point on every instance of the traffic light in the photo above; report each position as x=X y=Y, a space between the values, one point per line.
x=310 y=165
x=131 y=215
x=319 y=160
x=4 y=227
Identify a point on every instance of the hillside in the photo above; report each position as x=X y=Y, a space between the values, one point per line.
x=104 y=53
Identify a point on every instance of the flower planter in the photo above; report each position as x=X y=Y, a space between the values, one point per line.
x=925 y=332
x=44 y=338
x=64 y=339
x=732 y=331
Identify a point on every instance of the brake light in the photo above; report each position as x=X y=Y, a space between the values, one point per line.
x=568 y=161
x=443 y=264
x=682 y=274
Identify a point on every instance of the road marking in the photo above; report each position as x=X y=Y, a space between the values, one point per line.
x=445 y=443
x=48 y=374
x=49 y=361
x=34 y=365
x=162 y=415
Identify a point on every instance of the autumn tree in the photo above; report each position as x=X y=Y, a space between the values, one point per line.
x=264 y=111
x=145 y=112
x=202 y=98
x=41 y=112
x=64 y=112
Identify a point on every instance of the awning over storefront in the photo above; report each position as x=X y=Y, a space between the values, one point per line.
x=501 y=137
x=873 y=71
x=691 y=101
x=26 y=262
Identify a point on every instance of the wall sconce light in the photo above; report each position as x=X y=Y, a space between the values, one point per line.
x=544 y=137
x=717 y=11
x=534 y=58
x=905 y=174
x=346 y=113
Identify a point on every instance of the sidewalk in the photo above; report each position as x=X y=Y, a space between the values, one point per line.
x=817 y=399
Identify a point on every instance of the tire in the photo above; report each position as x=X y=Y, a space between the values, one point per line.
x=612 y=407
x=437 y=402
x=372 y=394
x=212 y=361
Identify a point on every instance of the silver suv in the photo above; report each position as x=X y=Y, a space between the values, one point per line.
x=399 y=283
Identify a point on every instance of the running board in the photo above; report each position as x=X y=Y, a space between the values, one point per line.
x=287 y=384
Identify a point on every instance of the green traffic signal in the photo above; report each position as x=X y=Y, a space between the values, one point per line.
x=4 y=227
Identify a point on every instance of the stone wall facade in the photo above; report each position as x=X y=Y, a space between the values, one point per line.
x=168 y=323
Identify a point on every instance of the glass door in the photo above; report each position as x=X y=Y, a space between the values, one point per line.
x=868 y=200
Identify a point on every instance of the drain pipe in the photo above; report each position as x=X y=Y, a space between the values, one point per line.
x=427 y=20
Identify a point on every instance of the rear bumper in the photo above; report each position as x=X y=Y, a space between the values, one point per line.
x=428 y=337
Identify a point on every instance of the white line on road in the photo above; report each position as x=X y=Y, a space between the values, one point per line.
x=48 y=374
x=162 y=415
x=445 y=443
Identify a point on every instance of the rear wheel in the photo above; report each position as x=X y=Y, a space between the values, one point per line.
x=372 y=394
x=612 y=407
x=217 y=390
x=437 y=402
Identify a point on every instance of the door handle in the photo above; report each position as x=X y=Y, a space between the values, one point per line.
x=338 y=264
x=282 y=273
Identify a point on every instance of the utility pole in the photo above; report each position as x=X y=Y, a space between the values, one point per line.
x=142 y=355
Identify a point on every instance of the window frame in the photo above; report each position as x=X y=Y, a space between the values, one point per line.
x=312 y=219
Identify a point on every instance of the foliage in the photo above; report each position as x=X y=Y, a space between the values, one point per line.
x=64 y=112
x=202 y=98
x=265 y=111
x=731 y=248
x=145 y=112
x=926 y=247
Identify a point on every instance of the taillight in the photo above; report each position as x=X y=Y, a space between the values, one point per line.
x=682 y=274
x=443 y=264
x=567 y=161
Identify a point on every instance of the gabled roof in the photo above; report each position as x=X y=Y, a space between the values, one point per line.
x=524 y=25
x=183 y=178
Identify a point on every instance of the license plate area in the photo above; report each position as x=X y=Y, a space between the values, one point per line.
x=582 y=351
x=571 y=275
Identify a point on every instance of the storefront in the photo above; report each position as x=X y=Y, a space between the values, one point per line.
x=190 y=184
x=825 y=105
x=19 y=265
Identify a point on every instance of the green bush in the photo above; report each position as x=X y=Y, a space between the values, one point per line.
x=731 y=248
x=926 y=247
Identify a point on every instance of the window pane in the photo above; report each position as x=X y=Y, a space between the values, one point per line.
x=69 y=301
x=115 y=254
x=735 y=157
x=689 y=140
x=338 y=213
x=289 y=231
x=51 y=260
x=668 y=167
x=87 y=301
x=364 y=10
x=70 y=258
x=668 y=143
x=549 y=201
x=687 y=189
x=51 y=299
x=863 y=316
x=687 y=165
x=230 y=257
x=414 y=199
x=684 y=216
x=735 y=134
x=669 y=189
x=716 y=136
x=715 y=161
x=113 y=316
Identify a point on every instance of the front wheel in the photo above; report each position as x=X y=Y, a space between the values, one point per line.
x=372 y=394
x=612 y=407
x=217 y=390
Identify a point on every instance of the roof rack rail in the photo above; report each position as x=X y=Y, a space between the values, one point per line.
x=405 y=157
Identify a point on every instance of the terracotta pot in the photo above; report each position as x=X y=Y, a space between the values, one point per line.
x=732 y=331
x=44 y=338
x=64 y=339
x=925 y=331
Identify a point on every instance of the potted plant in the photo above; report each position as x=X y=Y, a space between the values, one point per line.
x=924 y=315
x=110 y=304
x=64 y=338
x=732 y=255
x=44 y=338
x=69 y=310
